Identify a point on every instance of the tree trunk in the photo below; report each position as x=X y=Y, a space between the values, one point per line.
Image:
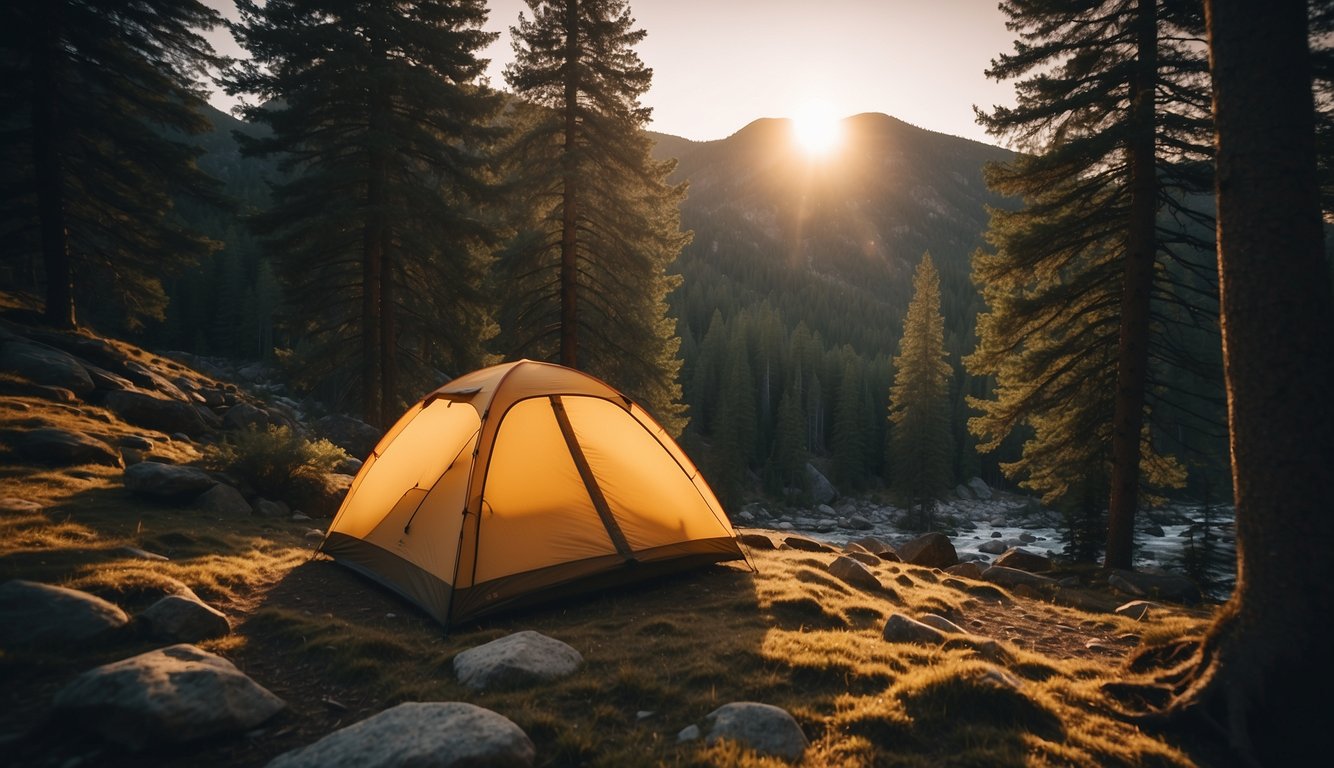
x=47 y=130
x=1266 y=662
x=372 y=263
x=1133 y=344
x=569 y=262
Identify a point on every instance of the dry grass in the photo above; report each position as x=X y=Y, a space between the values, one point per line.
x=658 y=656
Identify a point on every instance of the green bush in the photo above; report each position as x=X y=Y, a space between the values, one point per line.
x=269 y=459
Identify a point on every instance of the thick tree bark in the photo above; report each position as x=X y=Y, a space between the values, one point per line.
x=48 y=166
x=569 y=261
x=372 y=264
x=1266 y=663
x=1133 y=344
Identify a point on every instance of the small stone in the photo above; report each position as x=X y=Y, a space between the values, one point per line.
x=688 y=733
x=1136 y=610
x=516 y=661
x=184 y=619
x=901 y=629
x=764 y=728
x=846 y=569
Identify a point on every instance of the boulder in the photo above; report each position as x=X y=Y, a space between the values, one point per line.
x=961 y=491
x=943 y=624
x=806 y=544
x=932 y=550
x=167 y=482
x=865 y=558
x=50 y=445
x=356 y=437
x=267 y=508
x=993 y=546
x=979 y=488
x=879 y=547
x=224 y=501
x=243 y=415
x=901 y=629
x=318 y=495
x=45 y=365
x=1023 y=560
x=516 y=661
x=184 y=619
x=849 y=570
x=172 y=695
x=1012 y=578
x=146 y=410
x=419 y=734
x=757 y=540
x=822 y=491
x=969 y=570
x=41 y=615
x=859 y=523
x=1164 y=586
x=1136 y=610
x=764 y=728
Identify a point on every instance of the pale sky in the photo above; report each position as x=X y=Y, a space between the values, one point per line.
x=720 y=64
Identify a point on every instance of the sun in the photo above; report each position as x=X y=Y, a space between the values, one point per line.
x=816 y=128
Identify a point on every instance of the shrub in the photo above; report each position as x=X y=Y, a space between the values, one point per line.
x=269 y=459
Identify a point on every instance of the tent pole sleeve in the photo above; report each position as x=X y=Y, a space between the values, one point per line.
x=590 y=482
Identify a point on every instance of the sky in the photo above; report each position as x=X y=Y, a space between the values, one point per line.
x=720 y=64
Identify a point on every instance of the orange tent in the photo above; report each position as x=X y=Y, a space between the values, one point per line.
x=518 y=482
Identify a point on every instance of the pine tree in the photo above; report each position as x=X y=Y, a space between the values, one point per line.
x=377 y=111
x=919 y=439
x=587 y=272
x=787 y=462
x=1112 y=115
x=98 y=97
x=850 y=425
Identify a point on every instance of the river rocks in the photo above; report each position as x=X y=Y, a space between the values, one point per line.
x=419 y=734
x=148 y=410
x=932 y=550
x=849 y=570
x=994 y=546
x=516 y=661
x=764 y=728
x=1023 y=560
x=223 y=501
x=979 y=488
x=167 y=482
x=969 y=570
x=38 y=615
x=169 y=696
x=50 y=445
x=902 y=629
x=184 y=619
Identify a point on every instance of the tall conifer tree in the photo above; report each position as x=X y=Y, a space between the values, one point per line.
x=1112 y=117
x=587 y=273
x=919 y=400
x=377 y=110
x=98 y=97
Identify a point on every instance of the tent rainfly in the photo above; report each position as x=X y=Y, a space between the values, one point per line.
x=520 y=482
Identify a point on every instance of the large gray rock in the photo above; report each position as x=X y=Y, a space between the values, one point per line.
x=50 y=445
x=169 y=482
x=933 y=550
x=224 y=501
x=1163 y=586
x=419 y=735
x=147 y=410
x=1013 y=577
x=356 y=437
x=822 y=491
x=993 y=547
x=44 y=365
x=243 y=415
x=979 y=488
x=33 y=614
x=764 y=728
x=902 y=629
x=184 y=619
x=853 y=572
x=169 y=696
x=515 y=661
x=1023 y=560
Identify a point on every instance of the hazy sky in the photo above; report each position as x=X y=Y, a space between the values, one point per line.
x=719 y=64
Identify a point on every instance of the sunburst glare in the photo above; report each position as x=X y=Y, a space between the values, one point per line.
x=816 y=128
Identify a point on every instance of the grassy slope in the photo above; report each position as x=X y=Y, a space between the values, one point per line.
x=338 y=649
